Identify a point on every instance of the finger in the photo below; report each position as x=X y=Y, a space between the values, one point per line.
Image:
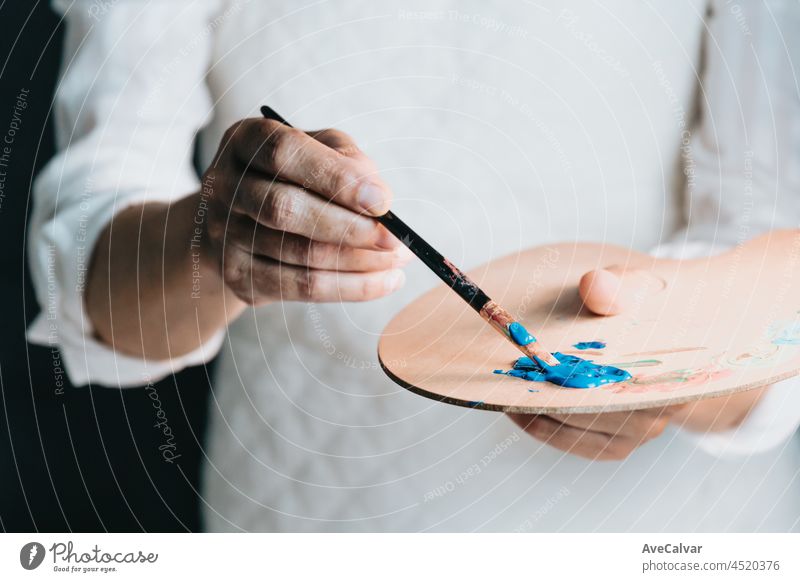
x=296 y=157
x=637 y=425
x=298 y=250
x=602 y=292
x=289 y=208
x=679 y=412
x=611 y=421
x=615 y=289
x=719 y=413
x=257 y=280
x=339 y=141
x=580 y=442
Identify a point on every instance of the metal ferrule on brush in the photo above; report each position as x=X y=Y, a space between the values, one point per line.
x=500 y=319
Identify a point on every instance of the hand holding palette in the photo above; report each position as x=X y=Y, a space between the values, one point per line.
x=693 y=329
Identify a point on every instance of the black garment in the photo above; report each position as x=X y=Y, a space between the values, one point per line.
x=75 y=459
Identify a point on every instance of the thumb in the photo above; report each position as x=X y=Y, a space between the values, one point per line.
x=612 y=290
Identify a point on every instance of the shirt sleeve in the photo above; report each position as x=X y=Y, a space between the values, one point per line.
x=742 y=168
x=130 y=100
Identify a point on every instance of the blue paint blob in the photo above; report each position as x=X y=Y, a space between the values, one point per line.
x=519 y=334
x=572 y=372
x=589 y=345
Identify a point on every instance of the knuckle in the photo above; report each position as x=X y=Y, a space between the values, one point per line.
x=244 y=199
x=233 y=270
x=234 y=273
x=657 y=428
x=308 y=285
x=343 y=180
x=371 y=287
x=270 y=127
x=319 y=253
x=361 y=232
x=333 y=134
x=618 y=451
x=232 y=131
x=280 y=209
x=349 y=150
x=215 y=229
x=250 y=282
x=250 y=195
x=280 y=144
x=345 y=144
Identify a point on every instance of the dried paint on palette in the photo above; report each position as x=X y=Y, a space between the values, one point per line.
x=638 y=364
x=785 y=334
x=780 y=338
x=764 y=355
x=672 y=380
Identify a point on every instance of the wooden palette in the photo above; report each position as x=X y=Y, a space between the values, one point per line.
x=695 y=329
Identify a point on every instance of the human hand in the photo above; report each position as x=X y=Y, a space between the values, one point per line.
x=615 y=435
x=610 y=436
x=611 y=291
x=289 y=217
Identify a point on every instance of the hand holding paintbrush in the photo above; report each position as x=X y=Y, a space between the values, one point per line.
x=493 y=313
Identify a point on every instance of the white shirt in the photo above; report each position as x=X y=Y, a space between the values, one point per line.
x=500 y=126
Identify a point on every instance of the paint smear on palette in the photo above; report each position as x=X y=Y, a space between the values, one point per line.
x=672 y=380
x=638 y=364
x=667 y=351
x=766 y=355
x=785 y=334
x=593 y=345
x=781 y=336
x=572 y=372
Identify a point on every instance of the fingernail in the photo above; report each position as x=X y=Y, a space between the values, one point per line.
x=372 y=198
x=394 y=280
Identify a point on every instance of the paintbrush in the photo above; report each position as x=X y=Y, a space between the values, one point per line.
x=494 y=314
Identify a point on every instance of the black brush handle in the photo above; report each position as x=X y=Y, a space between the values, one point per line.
x=443 y=268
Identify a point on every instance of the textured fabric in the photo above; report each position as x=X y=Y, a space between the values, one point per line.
x=124 y=137
x=500 y=126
